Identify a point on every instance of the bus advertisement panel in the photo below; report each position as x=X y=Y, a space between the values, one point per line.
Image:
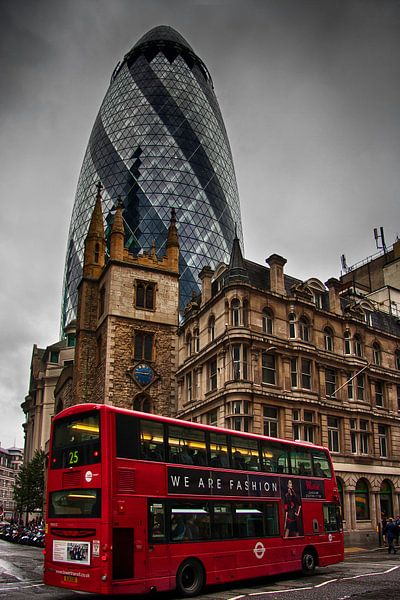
x=138 y=502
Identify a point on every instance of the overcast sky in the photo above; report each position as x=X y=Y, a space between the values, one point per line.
x=309 y=91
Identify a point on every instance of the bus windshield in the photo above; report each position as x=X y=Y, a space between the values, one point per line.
x=76 y=441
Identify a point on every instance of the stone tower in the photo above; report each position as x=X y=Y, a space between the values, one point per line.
x=128 y=312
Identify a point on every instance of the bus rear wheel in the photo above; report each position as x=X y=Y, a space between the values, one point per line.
x=190 y=578
x=308 y=562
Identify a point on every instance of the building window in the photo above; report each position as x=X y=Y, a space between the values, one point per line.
x=333 y=434
x=245 y=313
x=398 y=397
x=267 y=321
x=350 y=387
x=306 y=374
x=189 y=344
x=270 y=414
x=211 y=328
x=239 y=415
x=397 y=360
x=330 y=382
x=239 y=358
x=143 y=346
x=328 y=339
x=189 y=387
x=383 y=441
x=196 y=340
x=145 y=293
x=359 y=433
x=268 y=368
x=379 y=399
x=54 y=356
x=347 y=345
x=212 y=374
x=360 y=386
x=358 y=348
x=362 y=500
x=71 y=339
x=292 y=325
x=317 y=299
x=376 y=354
x=235 y=312
x=212 y=418
x=142 y=403
x=303 y=425
x=293 y=372
x=102 y=300
x=305 y=330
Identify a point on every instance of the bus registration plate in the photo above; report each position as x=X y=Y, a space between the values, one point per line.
x=70 y=579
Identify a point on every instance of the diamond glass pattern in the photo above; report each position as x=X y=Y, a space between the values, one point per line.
x=160 y=142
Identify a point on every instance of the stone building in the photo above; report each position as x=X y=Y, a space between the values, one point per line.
x=10 y=462
x=49 y=367
x=128 y=310
x=264 y=352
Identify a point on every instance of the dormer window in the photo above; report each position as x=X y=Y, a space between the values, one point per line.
x=377 y=354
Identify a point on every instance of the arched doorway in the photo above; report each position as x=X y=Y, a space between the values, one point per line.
x=386 y=499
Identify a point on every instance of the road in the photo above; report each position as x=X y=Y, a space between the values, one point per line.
x=366 y=575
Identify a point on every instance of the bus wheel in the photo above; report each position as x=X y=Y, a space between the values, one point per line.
x=308 y=562
x=190 y=578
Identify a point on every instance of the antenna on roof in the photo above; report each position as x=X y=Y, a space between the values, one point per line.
x=380 y=236
x=344 y=263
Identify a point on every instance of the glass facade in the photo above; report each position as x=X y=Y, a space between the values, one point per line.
x=159 y=141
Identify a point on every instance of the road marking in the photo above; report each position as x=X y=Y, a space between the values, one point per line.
x=312 y=587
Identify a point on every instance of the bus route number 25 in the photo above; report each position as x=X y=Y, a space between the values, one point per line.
x=73 y=457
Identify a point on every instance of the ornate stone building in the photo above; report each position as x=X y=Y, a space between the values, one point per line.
x=262 y=351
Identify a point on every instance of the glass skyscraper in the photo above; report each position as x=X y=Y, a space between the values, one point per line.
x=159 y=142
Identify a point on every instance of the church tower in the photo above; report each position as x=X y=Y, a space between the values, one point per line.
x=128 y=313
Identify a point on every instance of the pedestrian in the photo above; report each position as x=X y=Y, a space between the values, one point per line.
x=397 y=523
x=390 y=532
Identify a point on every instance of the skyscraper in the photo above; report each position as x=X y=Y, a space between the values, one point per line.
x=159 y=141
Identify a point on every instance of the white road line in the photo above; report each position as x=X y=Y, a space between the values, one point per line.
x=300 y=589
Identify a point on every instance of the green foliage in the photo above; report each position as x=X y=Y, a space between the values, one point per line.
x=29 y=484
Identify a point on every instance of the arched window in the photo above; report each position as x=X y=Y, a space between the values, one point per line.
x=235 y=312
x=292 y=325
x=267 y=321
x=305 y=330
x=377 y=354
x=328 y=339
x=96 y=252
x=246 y=313
x=347 y=347
x=340 y=485
x=386 y=498
x=362 y=500
x=196 y=340
x=189 y=344
x=142 y=402
x=211 y=328
x=358 y=348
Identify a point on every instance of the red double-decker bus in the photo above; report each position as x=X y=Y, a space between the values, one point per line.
x=138 y=502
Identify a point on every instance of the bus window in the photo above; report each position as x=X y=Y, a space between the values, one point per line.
x=156 y=522
x=249 y=520
x=82 y=503
x=223 y=521
x=271 y=519
x=219 y=456
x=321 y=464
x=332 y=518
x=245 y=455
x=151 y=440
x=300 y=461
x=187 y=446
x=76 y=441
x=126 y=436
x=275 y=457
x=190 y=521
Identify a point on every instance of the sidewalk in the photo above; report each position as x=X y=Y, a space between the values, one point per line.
x=355 y=549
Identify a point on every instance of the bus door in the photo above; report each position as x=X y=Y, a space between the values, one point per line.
x=129 y=543
x=158 y=554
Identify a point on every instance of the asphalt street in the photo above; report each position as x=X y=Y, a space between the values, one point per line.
x=366 y=575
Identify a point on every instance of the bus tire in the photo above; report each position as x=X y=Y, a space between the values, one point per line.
x=190 y=578
x=308 y=561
